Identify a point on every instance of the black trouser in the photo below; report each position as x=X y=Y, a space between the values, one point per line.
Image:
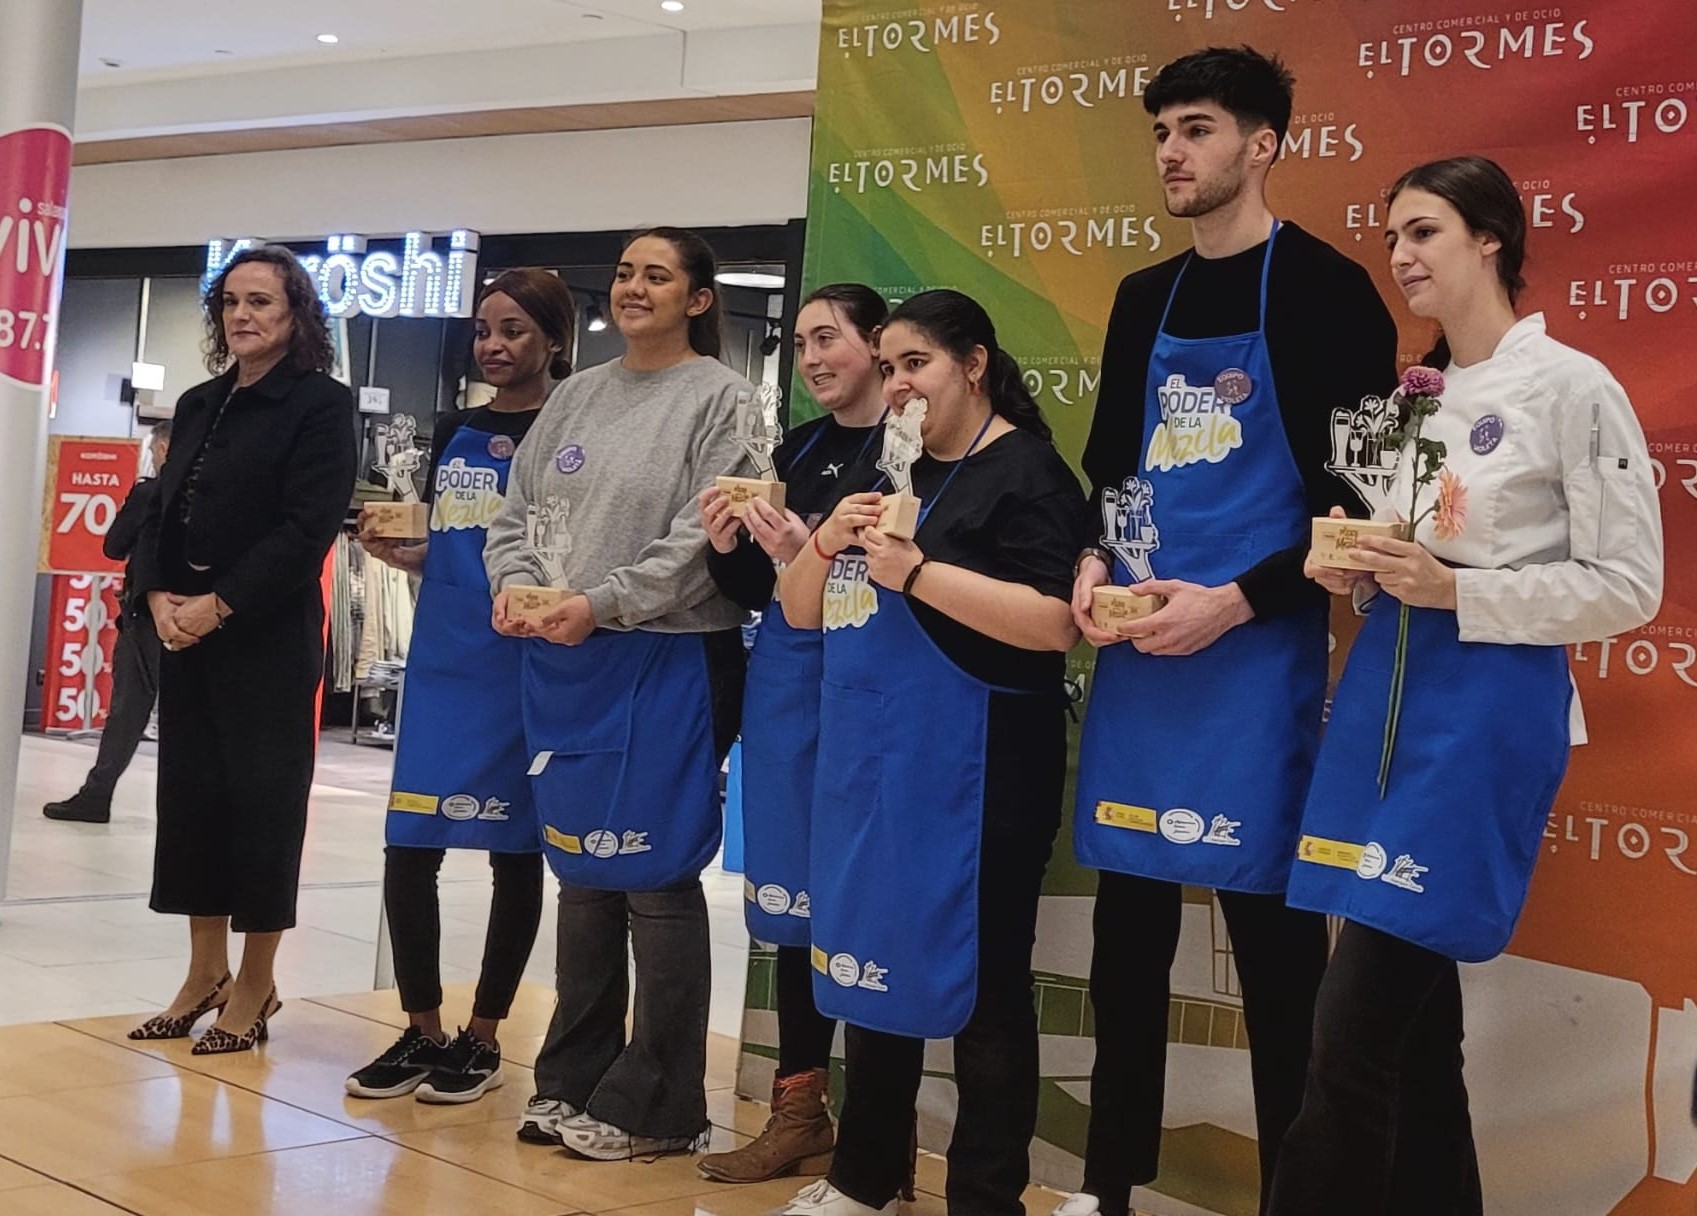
x=1384 y=1128
x=414 y=908
x=804 y=1034
x=654 y=1084
x=135 y=687
x=1280 y=956
x=995 y=1055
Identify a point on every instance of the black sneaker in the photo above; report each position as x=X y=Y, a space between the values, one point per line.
x=80 y=808
x=471 y=1069
x=400 y=1070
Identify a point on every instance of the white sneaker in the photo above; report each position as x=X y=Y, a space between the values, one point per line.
x=823 y=1199
x=1078 y=1205
x=542 y=1119
x=587 y=1136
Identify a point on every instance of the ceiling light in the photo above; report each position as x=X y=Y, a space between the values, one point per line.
x=672 y=6
x=328 y=39
x=750 y=278
x=597 y=320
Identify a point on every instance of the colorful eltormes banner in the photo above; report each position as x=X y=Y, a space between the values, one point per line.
x=1003 y=150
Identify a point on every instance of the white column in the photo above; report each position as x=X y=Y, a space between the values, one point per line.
x=38 y=95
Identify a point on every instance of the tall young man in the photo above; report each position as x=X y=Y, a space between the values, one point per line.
x=1221 y=374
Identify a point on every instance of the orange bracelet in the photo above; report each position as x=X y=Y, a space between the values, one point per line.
x=824 y=556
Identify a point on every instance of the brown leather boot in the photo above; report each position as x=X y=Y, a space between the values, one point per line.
x=798 y=1138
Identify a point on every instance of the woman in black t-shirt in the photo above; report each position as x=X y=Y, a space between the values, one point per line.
x=941 y=761
x=819 y=462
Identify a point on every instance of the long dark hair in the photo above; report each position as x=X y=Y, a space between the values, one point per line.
x=865 y=309
x=695 y=255
x=1485 y=198
x=958 y=323
x=310 y=347
x=546 y=300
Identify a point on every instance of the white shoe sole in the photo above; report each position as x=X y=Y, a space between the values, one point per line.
x=628 y=1152
x=435 y=1097
x=356 y=1090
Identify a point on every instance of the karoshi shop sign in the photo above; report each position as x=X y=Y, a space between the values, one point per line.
x=87 y=481
x=432 y=275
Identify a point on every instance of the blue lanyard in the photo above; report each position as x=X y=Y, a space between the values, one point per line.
x=942 y=489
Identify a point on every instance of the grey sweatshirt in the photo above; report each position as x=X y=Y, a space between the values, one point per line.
x=601 y=497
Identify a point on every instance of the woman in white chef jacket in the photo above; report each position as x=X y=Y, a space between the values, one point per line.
x=1547 y=533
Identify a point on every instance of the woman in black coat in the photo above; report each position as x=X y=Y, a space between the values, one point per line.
x=257 y=483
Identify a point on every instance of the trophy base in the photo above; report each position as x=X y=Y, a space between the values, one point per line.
x=744 y=490
x=1111 y=607
x=399 y=520
x=531 y=604
x=900 y=517
x=1334 y=538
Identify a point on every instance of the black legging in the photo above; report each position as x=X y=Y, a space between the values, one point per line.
x=414 y=909
x=804 y=1034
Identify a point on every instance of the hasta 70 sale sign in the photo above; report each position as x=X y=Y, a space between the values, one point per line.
x=87 y=481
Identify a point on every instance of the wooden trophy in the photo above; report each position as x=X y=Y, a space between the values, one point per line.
x=759 y=433
x=1129 y=533
x=405 y=517
x=902 y=446
x=549 y=542
x=1334 y=540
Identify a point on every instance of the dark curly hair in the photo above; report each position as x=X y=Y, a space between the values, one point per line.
x=310 y=347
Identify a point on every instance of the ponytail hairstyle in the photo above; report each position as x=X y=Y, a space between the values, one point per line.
x=959 y=324
x=546 y=300
x=864 y=308
x=1485 y=198
x=695 y=255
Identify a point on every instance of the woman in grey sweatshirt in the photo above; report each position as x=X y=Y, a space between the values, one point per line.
x=631 y=692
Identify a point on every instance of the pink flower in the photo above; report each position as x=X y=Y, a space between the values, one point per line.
x=1421 y=381
x=1450 y=517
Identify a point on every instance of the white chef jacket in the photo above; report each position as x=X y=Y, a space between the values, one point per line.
x=1563 y=535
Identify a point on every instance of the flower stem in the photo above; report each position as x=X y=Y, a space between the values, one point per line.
x=1393 y=712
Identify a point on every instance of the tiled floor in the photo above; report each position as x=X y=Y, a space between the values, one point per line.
x=77 y=939
x=94 y=1125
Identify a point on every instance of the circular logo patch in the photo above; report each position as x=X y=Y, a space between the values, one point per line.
x=569 y=459
x=461 y=806
x=601 y=844
x=1372 y=863
x=773 y=899
x=1182 y=826
x=845 y=970
x=1233 y=386
x=1487 y=434
x=502 y=447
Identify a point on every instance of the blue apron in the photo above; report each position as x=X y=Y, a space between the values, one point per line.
x=625 y=775
x=1193 y=769
x=459 y=779
x=1445 y=858
x=780 y=739
x=896 y=830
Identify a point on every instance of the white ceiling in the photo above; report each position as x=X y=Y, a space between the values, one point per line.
x=178 y=39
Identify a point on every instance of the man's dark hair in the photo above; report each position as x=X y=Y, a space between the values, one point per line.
x=1255 y=89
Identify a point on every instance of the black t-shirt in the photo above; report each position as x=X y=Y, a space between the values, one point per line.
x=819 y=463
x=1331 y=342
x=1013 y=512
x=514 y=424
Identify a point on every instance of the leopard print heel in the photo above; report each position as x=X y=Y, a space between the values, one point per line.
x=162 y=1027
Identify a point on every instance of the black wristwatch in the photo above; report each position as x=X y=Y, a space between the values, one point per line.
x=1092 y=551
